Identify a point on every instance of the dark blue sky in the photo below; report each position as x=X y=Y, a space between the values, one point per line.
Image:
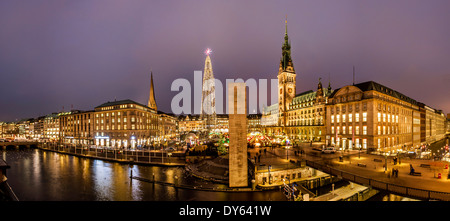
x=86 y=52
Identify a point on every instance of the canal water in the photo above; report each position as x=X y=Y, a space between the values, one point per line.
x=37 y=175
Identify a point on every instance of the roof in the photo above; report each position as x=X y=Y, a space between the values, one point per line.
x=113 y=103
x=372 y=85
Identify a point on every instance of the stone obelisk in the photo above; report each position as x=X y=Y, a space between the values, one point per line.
x=237 y=111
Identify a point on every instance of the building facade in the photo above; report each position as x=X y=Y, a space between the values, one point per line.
x=376 y=118
x=299 y=117
x=167 y=126
x=125 y=124
x=77 y=127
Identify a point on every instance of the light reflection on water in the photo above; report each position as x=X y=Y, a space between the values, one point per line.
x=41 y=175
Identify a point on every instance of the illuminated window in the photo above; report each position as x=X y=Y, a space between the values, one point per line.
x=384 y=117
x=364 y=130
x=343 y=129
x=365 y=117
x=332 y=130
x=357 y=117
x=337 y=118
x=343 y=118
x=350 y=130
x=338 y=131
x=332 y=118
x=379 y=116
x=357 y=130
x=379 y=130
x=350 y=117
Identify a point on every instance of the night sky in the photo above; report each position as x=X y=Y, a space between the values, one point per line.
x=82 y=53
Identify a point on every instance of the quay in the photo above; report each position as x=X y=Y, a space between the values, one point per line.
x=6 y=192
x=140 y=157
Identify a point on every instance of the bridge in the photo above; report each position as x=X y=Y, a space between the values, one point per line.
x=431 y=182
x=407 y=185
x=18 y=144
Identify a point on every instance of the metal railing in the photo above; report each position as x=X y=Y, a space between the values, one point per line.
x=120 y=155
x=393 y=188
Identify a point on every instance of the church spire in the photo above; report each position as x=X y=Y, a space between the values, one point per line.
x=286 y=60
x=285 y=33
x=151 y=99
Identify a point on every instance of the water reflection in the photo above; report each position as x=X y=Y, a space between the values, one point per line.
x=41 y=175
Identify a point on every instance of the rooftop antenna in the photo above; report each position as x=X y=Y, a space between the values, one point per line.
x=353 y=74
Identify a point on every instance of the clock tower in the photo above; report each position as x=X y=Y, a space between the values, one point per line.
x=286 y=80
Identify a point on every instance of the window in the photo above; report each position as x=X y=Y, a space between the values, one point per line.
x=350 y=117
x=350 y=129
x=384 y=117
x=379 y=116
x=332 y=118
x=332 y=130
x=357 y=130
x=357 y=117
x=364 y=130
x=337 y=118
x=379 y=130
x=343 y=129
x=365 y=117
x=343 y=118
x=338 y=132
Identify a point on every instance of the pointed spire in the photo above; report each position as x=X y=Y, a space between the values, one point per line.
x=286 y=51
x=286 y=26
x=151 y=99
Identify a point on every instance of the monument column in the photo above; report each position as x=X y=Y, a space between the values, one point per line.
x=237 y=109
